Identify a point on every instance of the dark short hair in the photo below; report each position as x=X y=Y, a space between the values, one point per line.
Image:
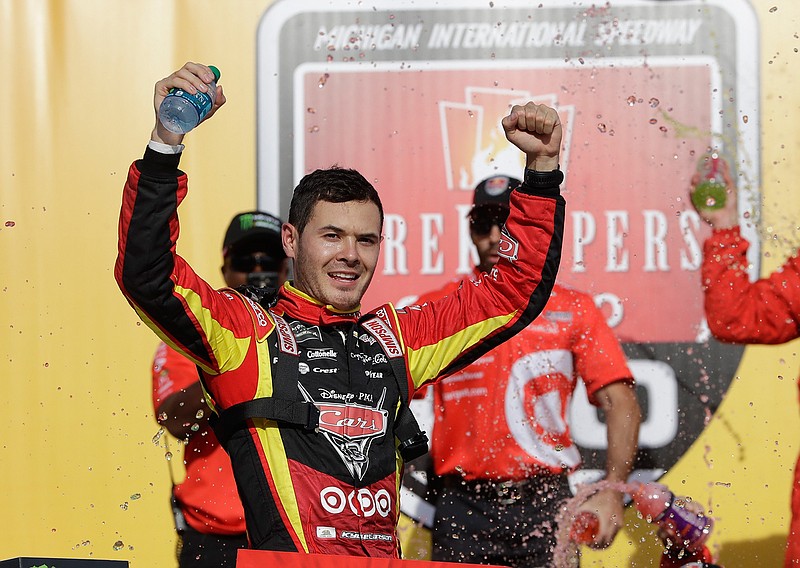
x=335 y=185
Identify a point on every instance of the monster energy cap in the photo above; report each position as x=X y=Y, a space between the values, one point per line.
x=254 y=229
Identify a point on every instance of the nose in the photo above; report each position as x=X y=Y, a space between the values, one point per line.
x=495 y=233
x=349 y=250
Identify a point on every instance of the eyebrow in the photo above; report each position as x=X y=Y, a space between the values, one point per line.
x=339 y=230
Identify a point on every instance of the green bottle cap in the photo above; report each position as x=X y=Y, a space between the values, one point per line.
x=216 y=72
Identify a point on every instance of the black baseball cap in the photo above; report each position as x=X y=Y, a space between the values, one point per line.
x=254 y=230
x=494 y=191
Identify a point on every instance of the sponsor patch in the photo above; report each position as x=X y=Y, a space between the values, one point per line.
x=314 y=354
x=286 y=339
x=326 y=532
x=304 y=333
x=384 y=334
x=366 y=536
x=508 y=247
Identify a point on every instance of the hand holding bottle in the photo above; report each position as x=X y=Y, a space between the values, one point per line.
x=191 y=78
x=713 y=192
x=677 y=524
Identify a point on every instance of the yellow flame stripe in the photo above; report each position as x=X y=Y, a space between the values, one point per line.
x=428 y=361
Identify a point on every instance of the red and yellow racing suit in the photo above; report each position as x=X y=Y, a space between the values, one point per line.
x=741 y=311
x=332 y=490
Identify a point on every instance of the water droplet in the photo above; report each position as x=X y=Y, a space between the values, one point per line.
x=559 y=447
x=323 y=80
x=159 y=434
x=631 y=100
x=654 y=102
x=773 y=9
x=119 y=545
x=653 y=121
x=314 y=129
x=195 y=427
x=311 y=110
x=10 y=223
x=124 y=506
x=601 y=127
x=745 y=119
x=168 y=455
x=200 y=412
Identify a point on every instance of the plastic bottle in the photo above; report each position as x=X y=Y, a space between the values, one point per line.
x=710 y=192
x=658 y=505
x=584 y=528
x=180 y=111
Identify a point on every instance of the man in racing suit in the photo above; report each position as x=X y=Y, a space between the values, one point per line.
x=501 y=446
x=740 y=311
x=317 y=464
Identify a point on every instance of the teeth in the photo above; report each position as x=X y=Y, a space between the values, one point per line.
x=344 y=276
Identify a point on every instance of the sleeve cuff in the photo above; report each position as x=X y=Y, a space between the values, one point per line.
x=542 y=183
x=159 y=164
x=162 y=148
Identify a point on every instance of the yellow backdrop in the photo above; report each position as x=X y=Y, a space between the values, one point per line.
x=81 y=476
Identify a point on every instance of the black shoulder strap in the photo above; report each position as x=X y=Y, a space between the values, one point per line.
x=303 y=414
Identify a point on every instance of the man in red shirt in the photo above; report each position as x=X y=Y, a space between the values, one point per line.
x=501 y=446
x=740 y=311
x=208 y=512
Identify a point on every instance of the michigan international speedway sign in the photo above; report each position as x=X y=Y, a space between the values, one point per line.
x=411 y=95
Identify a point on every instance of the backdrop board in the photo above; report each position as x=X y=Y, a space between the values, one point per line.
x=411 y=94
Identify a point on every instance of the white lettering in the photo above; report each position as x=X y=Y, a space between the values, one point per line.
x=648 y=32
x=689 y=223
x=584 y=234
x=395 y=255
x=467 y=254
x=616 y=230
x=515 y=35
x=432 y=258
x=617 y=307
x=655 y=245
x=377 y=37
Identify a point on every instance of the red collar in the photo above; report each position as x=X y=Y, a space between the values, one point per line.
x=298 y=305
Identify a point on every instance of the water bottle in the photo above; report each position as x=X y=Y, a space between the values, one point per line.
x=659 y=505
x=181 y=111
x=710 y=192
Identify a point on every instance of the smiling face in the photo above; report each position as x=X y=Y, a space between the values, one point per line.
x=336 y=253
